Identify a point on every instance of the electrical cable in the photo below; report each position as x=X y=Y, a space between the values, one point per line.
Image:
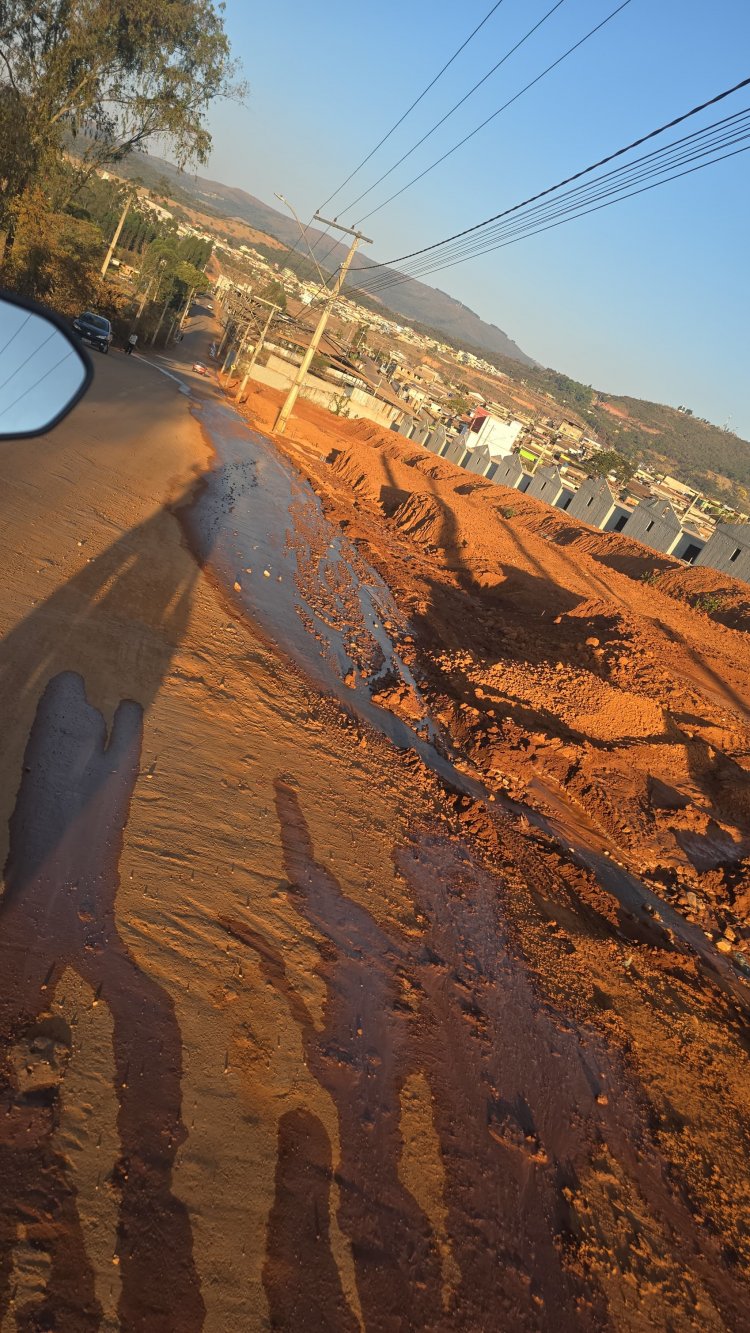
x=20 y=329
x=722 y=132
x=414 y=104
x=33 y=387
x=554 y=220
x=496 y=113
x=440 y=122
x=454 y=108
x=635 y=143
x=541 y=212
x=568 y=215
x=488 y=119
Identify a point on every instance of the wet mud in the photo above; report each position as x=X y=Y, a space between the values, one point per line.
x=334 y=617
x=523 y=1105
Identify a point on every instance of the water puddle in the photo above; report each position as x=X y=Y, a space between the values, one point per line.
x=329 y=614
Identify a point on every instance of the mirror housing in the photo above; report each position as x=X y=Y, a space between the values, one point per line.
x=44 y=370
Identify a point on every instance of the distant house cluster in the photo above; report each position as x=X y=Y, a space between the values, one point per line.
x=489 y=449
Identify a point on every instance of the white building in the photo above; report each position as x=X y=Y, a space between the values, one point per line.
x=496 y=435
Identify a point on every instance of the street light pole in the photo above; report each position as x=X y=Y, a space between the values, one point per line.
x=293 y=394
x=303 y=234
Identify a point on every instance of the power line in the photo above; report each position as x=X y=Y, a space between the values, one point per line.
x=591 y=33
x=414 y=104
x=7 y=344
x=554 y=220
x=611 y=157
x=485 y=122
x=701 y=142
x=442 y=120
x=523 y=228
x=455 y=107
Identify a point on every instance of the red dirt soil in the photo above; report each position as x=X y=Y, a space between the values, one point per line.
x=581 y=672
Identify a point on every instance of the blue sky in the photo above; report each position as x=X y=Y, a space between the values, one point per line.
x=650 y=297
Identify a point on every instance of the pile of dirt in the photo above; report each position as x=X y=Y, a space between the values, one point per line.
x=564 y=676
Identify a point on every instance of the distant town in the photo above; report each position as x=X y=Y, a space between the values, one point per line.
x=460 y=406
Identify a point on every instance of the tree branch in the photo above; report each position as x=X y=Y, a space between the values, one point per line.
x=71 y=99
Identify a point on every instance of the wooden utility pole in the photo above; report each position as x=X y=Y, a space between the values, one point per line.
x=229 y=325
x=293 y=394
x=258 y=346
x=116 y=236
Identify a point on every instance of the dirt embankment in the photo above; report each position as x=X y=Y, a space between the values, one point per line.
x=574 y=673
x=561 y=673
x=566 y=663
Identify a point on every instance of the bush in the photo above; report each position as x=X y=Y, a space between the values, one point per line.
x=55 y=257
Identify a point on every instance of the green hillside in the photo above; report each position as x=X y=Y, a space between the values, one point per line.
x=714 y=460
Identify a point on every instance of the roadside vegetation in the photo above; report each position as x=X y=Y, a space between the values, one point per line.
x=83 y=87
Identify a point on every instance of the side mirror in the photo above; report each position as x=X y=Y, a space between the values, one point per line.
x=44 y=370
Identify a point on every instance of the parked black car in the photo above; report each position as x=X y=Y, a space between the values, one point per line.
x=94 y=329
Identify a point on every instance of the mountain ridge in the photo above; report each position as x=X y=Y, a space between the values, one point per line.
x=413 y=301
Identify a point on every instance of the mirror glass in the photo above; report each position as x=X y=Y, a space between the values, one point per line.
x=41 y=371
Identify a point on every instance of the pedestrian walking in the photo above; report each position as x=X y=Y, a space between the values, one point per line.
x=130 y=344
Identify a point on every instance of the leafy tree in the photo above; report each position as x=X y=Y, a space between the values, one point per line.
x=101 y=201
x=610 y=461
x=195 y=250
x=274 y=292
x=162 y=248
x=187 y=278
x=119 y=72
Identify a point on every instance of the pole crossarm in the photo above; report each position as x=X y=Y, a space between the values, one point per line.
x=350 y=231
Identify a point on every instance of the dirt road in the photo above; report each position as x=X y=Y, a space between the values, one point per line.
x=305 y=1023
